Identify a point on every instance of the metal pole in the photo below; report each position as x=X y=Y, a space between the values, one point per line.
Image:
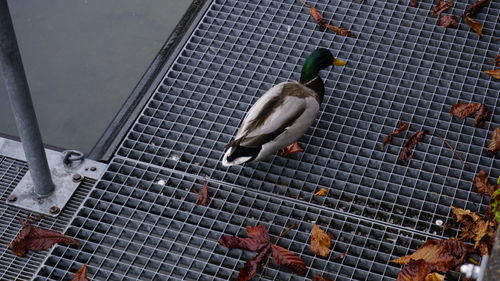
x=22 y=105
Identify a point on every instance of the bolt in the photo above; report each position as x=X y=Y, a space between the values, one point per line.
x=54 y=209
x=93 y=168
x=12 y=198
x=77 y=177
x=439 y=222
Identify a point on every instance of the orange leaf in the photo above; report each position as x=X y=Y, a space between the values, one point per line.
x=321 y=192
x=35 y=239
x=474 y=25
x=434 y=277
x=291 y=149
x=495 y=73
x=320 y=241
x=441 y=254
x=81 y=274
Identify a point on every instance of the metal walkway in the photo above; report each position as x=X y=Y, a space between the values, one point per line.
x=141 y=222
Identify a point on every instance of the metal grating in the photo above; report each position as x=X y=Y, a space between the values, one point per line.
x=401 y=66
x=132 y=228
x=11 y=266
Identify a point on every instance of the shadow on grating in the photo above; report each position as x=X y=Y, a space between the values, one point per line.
x=23 y=268
x=401 y=66
x=132 y=228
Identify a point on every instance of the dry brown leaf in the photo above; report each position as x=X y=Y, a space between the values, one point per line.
x=441 y=6
x=35 y=239
x=482 y=184
x=321 y=192
x=291 y=149
x=474 y=25
x=403 y=126
x=416 y=270
x=495 y=73
x=203 y=196
x=340 y=30
x=434 y=277
x=441 y=254
x=448 y=21
x=81 y=274
x=494 y=145
x=463 y=110
x=476 y=228
x=320 y=241
x=481 y=116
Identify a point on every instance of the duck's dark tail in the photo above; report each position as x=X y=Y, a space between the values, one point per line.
x=237 y=154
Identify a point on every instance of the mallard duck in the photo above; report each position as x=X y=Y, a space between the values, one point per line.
x=282 y=115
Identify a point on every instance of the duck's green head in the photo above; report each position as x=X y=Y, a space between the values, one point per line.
x=318 y=60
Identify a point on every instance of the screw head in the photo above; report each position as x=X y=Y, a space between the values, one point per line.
x=54 y=210
x=12 y=198
x=77 y=177
x=93 y=169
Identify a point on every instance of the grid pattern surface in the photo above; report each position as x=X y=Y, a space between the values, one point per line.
x=132 y=228
x=401 y=66
x=23 y=268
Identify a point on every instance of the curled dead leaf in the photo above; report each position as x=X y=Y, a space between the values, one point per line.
x=474 y=25
x=340 y=30
x=495 y=73
x=482 y=184
x=288 y=259
x=403 y=126
x=320 y=241
x=463 y=110
x=81 y=274
x=475 y=7
x=474 y=227
x=448 y=21
x=441 y=6
x=291 y=149
x=32 y=238
x=321 y=192
x=415 y=270
x=407 y=150
x=494 y=144
x=203 y=196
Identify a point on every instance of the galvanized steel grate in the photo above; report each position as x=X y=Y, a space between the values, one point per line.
x=24 y=268
x=132 y=228
x=401 y=66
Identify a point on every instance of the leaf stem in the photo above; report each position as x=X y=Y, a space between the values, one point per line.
x=452 y=149
x=283 y=233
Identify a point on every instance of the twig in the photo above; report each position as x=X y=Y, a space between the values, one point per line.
x=452 y=149
x=283 y=233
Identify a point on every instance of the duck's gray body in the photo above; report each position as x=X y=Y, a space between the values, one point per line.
x=279 y=118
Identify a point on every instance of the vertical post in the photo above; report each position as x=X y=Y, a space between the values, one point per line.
x=20 y=99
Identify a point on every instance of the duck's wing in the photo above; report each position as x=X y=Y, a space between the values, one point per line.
x=273 y=113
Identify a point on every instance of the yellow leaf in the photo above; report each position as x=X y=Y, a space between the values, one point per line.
x=495 y=73
x=434 y=277
x=475 y=25
x=321 y=192
x=320 y=241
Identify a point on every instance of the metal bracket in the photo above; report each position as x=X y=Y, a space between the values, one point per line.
x=66 y=179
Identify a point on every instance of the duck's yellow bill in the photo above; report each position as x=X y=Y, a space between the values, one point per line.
x=338 y=62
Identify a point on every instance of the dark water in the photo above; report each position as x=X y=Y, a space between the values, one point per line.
x=83 y=59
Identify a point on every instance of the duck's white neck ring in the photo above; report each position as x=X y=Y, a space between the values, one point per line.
x=310 y=81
